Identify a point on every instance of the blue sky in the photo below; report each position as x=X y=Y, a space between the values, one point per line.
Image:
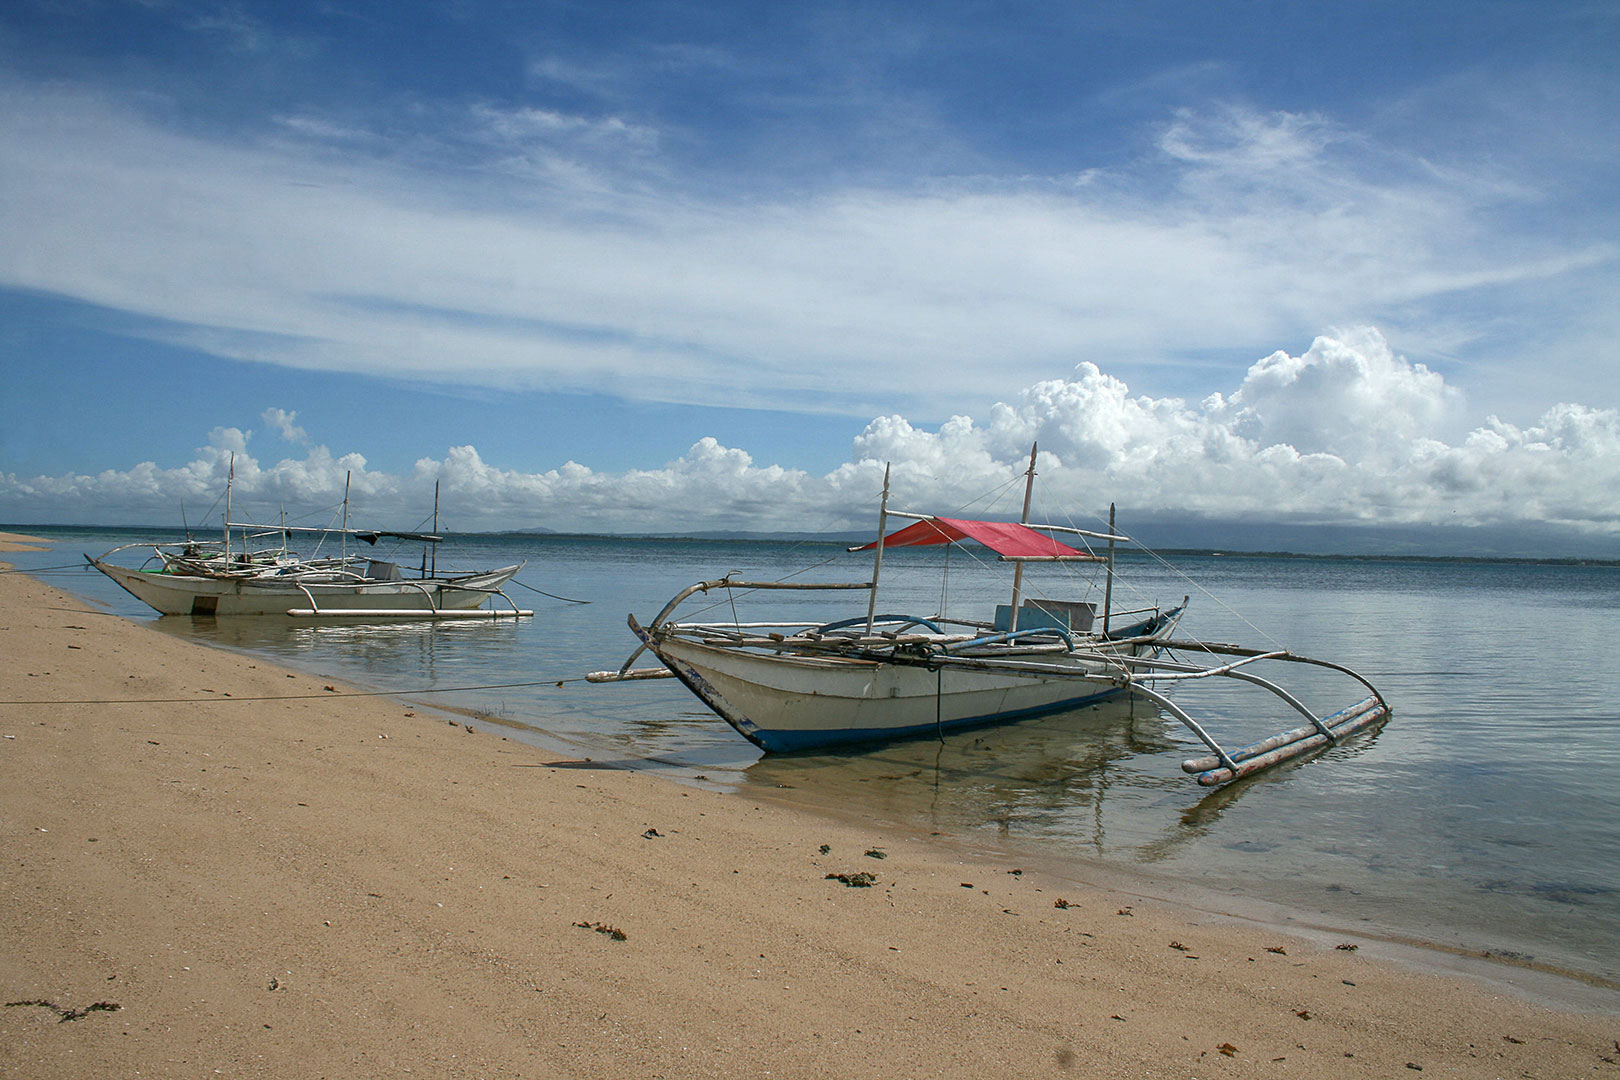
x=620 y=265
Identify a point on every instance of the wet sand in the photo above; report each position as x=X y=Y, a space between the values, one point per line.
x=255 y=871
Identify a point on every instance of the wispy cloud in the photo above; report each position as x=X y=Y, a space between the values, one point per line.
x=852 y=299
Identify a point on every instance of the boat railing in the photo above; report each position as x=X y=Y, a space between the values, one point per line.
x=662 y=618
x=1012 y=636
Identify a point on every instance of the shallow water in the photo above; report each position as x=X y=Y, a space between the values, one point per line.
x=1484 y=817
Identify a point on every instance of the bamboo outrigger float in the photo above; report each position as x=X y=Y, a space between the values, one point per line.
x=796 y=686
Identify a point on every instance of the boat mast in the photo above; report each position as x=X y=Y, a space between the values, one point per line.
x=435 y=547
x=1018 y=567
x=230 y=477
x=344 y=535
x=1108 y=589
x=877 y=561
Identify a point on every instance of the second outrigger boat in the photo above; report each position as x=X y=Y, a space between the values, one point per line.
x=796 y=686
x=252 y=570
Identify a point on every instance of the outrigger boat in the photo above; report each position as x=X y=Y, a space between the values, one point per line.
x=254 y=572
x=799 y=686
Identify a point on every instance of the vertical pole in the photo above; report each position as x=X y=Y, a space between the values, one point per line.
x=435 y=527
x=230 y=478
x=1018 y=572
x=877 y=561
x=344 y=535
x=1108 y=589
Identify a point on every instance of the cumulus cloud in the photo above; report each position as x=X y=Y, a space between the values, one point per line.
x=1347 y=432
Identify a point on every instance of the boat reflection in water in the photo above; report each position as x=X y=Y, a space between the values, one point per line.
x=1048 y=776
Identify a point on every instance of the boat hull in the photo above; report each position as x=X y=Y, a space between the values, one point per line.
x=783 y=703
x=184 y=594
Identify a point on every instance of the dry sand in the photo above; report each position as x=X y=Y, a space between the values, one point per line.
x=260 y=872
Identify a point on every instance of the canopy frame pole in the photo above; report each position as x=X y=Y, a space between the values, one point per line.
x=1108 y=588
x=877 y=560
x=1018 y=568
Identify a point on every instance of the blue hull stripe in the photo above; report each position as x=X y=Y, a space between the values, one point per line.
x=783 y=742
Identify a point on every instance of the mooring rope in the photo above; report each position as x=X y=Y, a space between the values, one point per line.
x=327 y=695
x=554 y=596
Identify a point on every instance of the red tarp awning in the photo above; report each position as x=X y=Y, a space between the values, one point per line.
x=1005 y=538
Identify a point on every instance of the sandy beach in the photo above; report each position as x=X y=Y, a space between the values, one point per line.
x=213 y=866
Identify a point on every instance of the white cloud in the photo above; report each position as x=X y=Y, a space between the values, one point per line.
x=1346 y=433
x=287 y=424
x=566 y=253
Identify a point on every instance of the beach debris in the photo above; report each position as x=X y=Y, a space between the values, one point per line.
x=1303 y=1014
x=1278 y=949
x=1227 y=1049
x=603 y=928
x=650 y=833
x=858 y=880
x=825 y=849
x=65 y=1014
x=1346 y=947
x=328 y=689
x=1016 y=873
x=1126 y=910
x=1061 y=904
x=1414 y=1066
x=1520 y=1042
x=874 y=853
x=1179 y=947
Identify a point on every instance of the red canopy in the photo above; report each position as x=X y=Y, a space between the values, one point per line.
x=1006 y=538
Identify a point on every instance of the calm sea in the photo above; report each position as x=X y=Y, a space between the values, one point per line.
x=1485 y=817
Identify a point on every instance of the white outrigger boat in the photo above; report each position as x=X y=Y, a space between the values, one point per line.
x=175 y=583
x=232 y=577
x=797 y=686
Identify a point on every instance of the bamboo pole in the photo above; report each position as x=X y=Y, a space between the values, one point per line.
x=230 y=478
x=877 y=560
x=1108 y=589
x=1018 y=567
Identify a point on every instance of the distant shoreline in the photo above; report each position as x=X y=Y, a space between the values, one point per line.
x=846 y=539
